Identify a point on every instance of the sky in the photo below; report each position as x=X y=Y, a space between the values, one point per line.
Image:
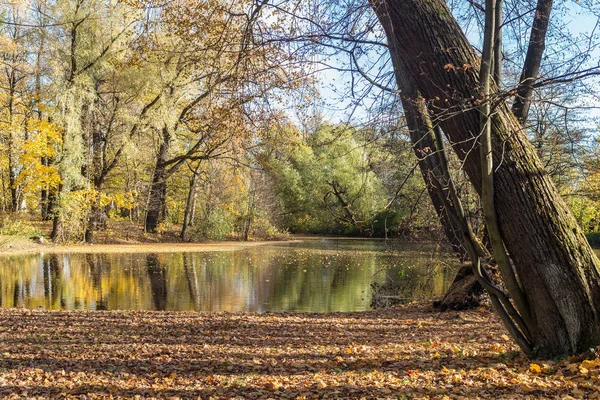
x=337 y=106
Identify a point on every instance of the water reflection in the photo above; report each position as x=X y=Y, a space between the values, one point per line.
x=315 y=276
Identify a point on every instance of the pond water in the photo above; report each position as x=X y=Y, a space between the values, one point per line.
x=319 y=275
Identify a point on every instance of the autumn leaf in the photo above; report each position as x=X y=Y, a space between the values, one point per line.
x=251 y=355
x=535 y=369
x=590 y=364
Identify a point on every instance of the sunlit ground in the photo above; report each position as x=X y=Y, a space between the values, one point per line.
x=405 y=352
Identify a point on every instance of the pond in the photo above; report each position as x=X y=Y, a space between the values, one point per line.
x=315 y=275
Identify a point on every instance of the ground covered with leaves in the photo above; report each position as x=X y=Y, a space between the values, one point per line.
x=403 y=352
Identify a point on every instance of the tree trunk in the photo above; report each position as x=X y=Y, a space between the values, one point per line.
x=12 y=151
x=96 y=216
x=189 y=204
x=98 y=176
x=157 y=199
x=194 y=204
x=465 y=291
x=44 y=203
x=56 y=221
x=554 y=263
x=44 y=206
x=533 y=60
x=251 y=211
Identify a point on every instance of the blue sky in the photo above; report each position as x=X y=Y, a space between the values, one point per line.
x=337 y=106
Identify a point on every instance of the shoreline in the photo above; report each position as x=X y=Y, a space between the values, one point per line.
x=12 y=245
x=24 y=247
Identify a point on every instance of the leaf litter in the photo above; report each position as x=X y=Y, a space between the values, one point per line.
x=404 y=352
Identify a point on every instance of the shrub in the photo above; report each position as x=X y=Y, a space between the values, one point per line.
x=19 y=227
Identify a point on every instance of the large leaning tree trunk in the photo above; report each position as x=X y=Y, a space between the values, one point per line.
x=556 y=268
x=465 y=291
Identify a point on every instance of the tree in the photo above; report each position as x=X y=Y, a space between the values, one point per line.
x=87 y=46
x=556 y=269
x=220 y=77
x=327 y=182
x=14 y=104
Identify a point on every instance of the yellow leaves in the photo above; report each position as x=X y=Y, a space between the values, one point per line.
x=587 y=365
x=272 y=383
x=505 y=337
x=526 y=388
x=590 y=364
x=125 y=200
x=497 y=348
x=44 y=138
x=572 y=367
x=535 y=369
x=387 y=357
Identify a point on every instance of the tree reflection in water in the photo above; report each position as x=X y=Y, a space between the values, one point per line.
x=313 y=276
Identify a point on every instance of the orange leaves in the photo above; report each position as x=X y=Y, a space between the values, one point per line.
x=535 y=369
x=230 y=355
x=452 y=67
x=497 y=348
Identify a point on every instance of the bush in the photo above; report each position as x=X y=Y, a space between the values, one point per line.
x=74 y=208
x=217 y=226
x=262 y=228
x=19 y=227
x=594 y=239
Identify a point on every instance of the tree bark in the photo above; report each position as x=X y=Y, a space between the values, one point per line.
x=96 y=171
x=555 y=265
x=12 y=151
x=157 y=199
x=465 y=291
x=188 y=214
x=533 y=60
x=56 y=221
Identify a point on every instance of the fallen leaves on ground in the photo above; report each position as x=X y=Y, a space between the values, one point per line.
x=403 y=352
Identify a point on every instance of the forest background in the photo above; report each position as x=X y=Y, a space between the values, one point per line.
x=213 y=120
